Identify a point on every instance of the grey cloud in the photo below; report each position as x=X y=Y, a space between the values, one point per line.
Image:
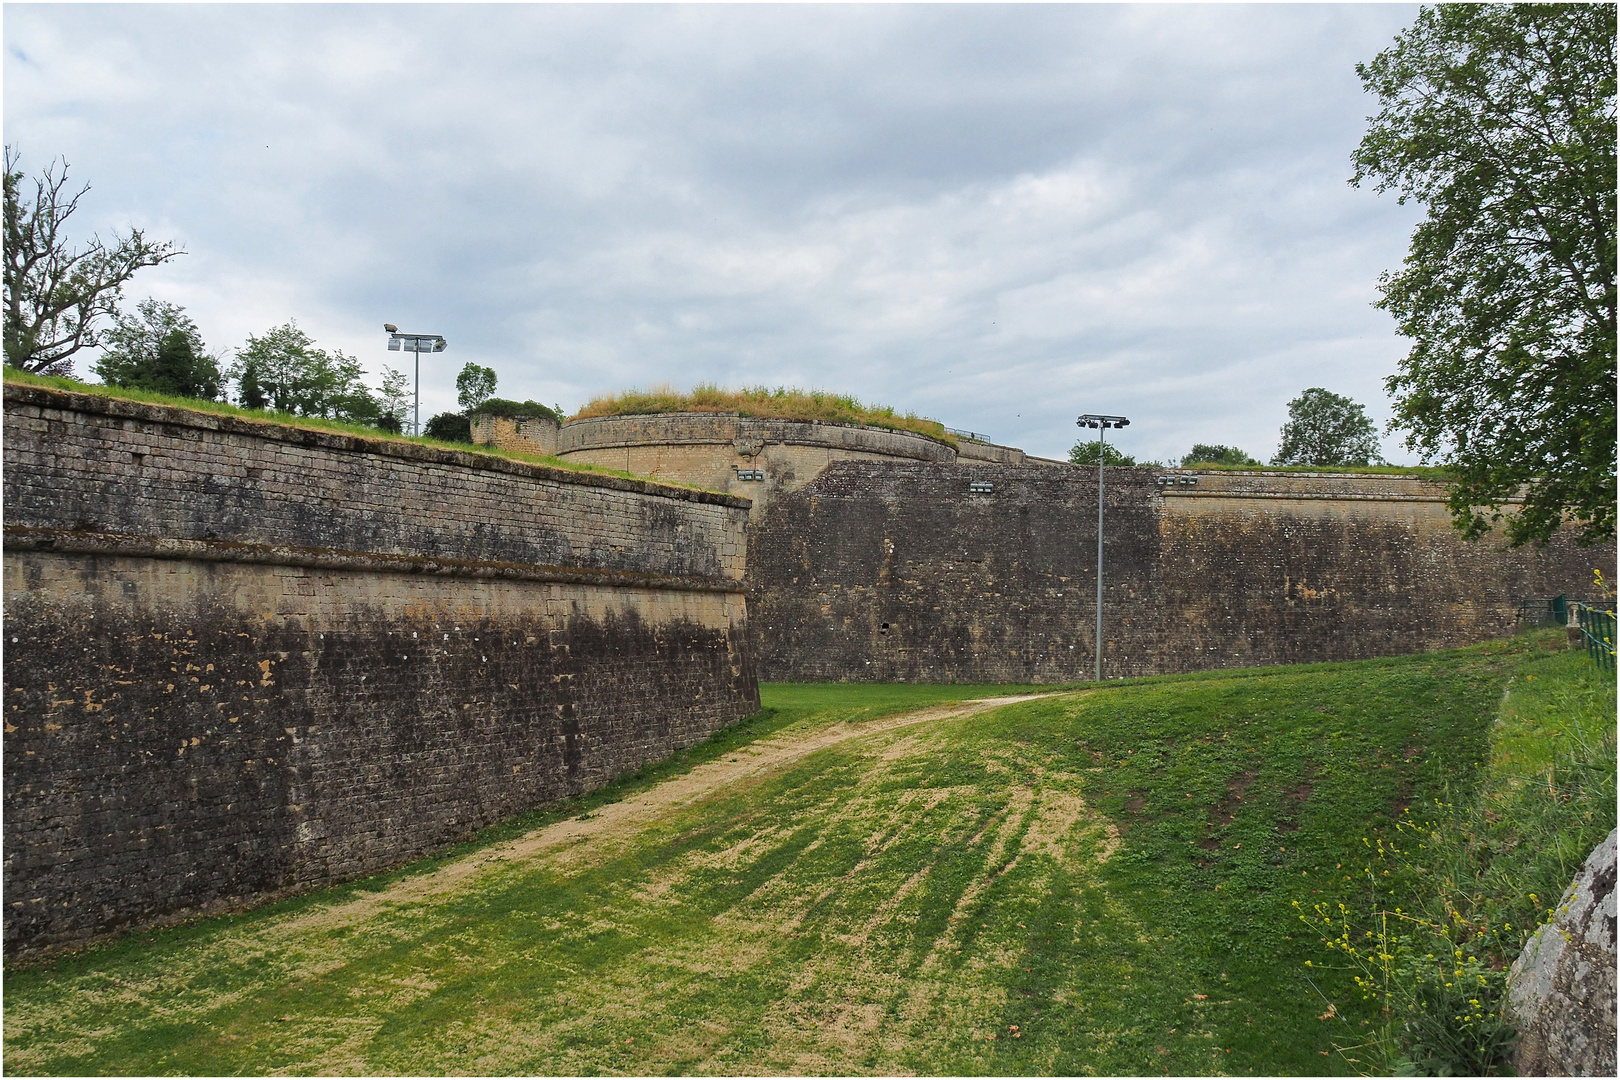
x=1000 y=216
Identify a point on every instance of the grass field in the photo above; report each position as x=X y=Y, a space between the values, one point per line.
x=1096 y=882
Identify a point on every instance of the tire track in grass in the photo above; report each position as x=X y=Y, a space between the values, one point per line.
x=619 y=821
x=373 y=937
x=740 y=937
x=841 y=1003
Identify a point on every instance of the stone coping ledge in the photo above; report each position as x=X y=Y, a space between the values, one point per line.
x=1315 y=496
x=1325 y=485
x=84 y=542
x=697 y=428
x=123 y=408
x=1274 y=473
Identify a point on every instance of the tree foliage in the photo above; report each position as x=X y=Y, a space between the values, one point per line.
x=474 y=386
x=1327 y=429
x=283 y=370
x=159 y=348
x=393 y=400
x=1205 y=454
x=1500 y=120
x=505 y=407
x=1084 y=452
x=449 y=427
x=54 y=296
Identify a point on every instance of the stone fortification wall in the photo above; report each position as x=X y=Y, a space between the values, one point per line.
x=529 y=434
x=753 y=458
x=877 y=571
x=245 y=658
x=1273 y=568
x=1204 y=570
x=973 y=452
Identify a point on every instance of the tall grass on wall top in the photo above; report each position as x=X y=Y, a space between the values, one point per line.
x=782 y=403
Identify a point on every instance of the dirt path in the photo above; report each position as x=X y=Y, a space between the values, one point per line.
x=626 y=816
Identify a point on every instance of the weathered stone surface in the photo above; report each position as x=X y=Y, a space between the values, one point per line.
x=527 y=434
x=1210 y=568
x=881 y=570
x=747 y=456
x=1562 y=987
x=243 y=659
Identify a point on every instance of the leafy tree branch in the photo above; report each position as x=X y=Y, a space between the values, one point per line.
x=1500 y=120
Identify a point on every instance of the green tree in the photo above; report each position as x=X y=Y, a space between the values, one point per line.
x=393 y=400
x=449 y=427
x=474 y=386
x=1500 y=120
x=504 y=407
x=283 y=370
x=1326 y=429
x=1084 y=452
x=54 y=296
x=1205 y=454
x=158 y=348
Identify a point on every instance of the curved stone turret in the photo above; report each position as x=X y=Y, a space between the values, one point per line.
x=741 y=455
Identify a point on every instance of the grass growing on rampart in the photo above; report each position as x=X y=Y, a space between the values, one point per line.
x=782 y=403
x=1448 y=900
x=310 y=423
x=1096 y=882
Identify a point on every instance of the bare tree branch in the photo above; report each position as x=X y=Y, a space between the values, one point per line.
x=54 y=296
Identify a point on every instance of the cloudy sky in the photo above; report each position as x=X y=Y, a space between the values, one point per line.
x=997 y=216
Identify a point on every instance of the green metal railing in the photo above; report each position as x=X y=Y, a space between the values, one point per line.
x=1596 y=622
x=1597 y=633
x=1544 y=611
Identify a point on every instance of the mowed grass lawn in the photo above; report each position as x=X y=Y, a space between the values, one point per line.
x=1092 y=883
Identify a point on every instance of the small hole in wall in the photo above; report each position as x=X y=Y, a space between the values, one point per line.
x=885 y=629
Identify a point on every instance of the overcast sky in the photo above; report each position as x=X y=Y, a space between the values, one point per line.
x=996 y=216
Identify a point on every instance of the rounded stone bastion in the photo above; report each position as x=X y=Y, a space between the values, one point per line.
x=740 y=455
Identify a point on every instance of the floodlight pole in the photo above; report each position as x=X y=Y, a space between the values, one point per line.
x=1102 y=443
x=1102 y=424
x=412 y=343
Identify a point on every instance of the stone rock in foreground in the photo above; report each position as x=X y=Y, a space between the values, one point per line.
x=1562 y=987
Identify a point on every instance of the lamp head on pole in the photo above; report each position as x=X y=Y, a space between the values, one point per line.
x=1099 y=420
x=417 y=343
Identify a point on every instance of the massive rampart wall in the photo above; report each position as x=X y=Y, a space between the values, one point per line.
x=1276 y=568
x=746 y=456
x=243 y=658
x=881 y=572
x=905 y=571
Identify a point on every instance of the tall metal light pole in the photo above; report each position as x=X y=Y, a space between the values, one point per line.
x=417 y=344
x=1102 y=424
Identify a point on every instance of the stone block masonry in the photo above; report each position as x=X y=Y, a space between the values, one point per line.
x=880 y=571
x=242 y=659
x=1284 y=568
x=877 y=571
x=747 y=456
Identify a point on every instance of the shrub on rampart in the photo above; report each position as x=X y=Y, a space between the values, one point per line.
x=509 y=409
x=782 y=403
